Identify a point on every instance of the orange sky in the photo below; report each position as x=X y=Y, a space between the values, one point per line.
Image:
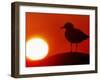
x=48 y=26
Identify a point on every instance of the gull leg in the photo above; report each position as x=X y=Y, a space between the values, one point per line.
x=76 y=47
x=71 y=47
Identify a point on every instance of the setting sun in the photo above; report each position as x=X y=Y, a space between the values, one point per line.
x=36 y=49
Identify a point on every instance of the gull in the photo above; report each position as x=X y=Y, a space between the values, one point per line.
x=74 y=35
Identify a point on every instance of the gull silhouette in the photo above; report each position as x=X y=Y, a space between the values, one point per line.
x=73 y=35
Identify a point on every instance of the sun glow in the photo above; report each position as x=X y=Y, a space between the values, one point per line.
x=36 y=49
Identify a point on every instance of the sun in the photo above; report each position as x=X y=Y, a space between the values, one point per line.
x=36 y=49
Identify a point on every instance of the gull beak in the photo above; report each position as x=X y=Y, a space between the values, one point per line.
x=62 y=27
